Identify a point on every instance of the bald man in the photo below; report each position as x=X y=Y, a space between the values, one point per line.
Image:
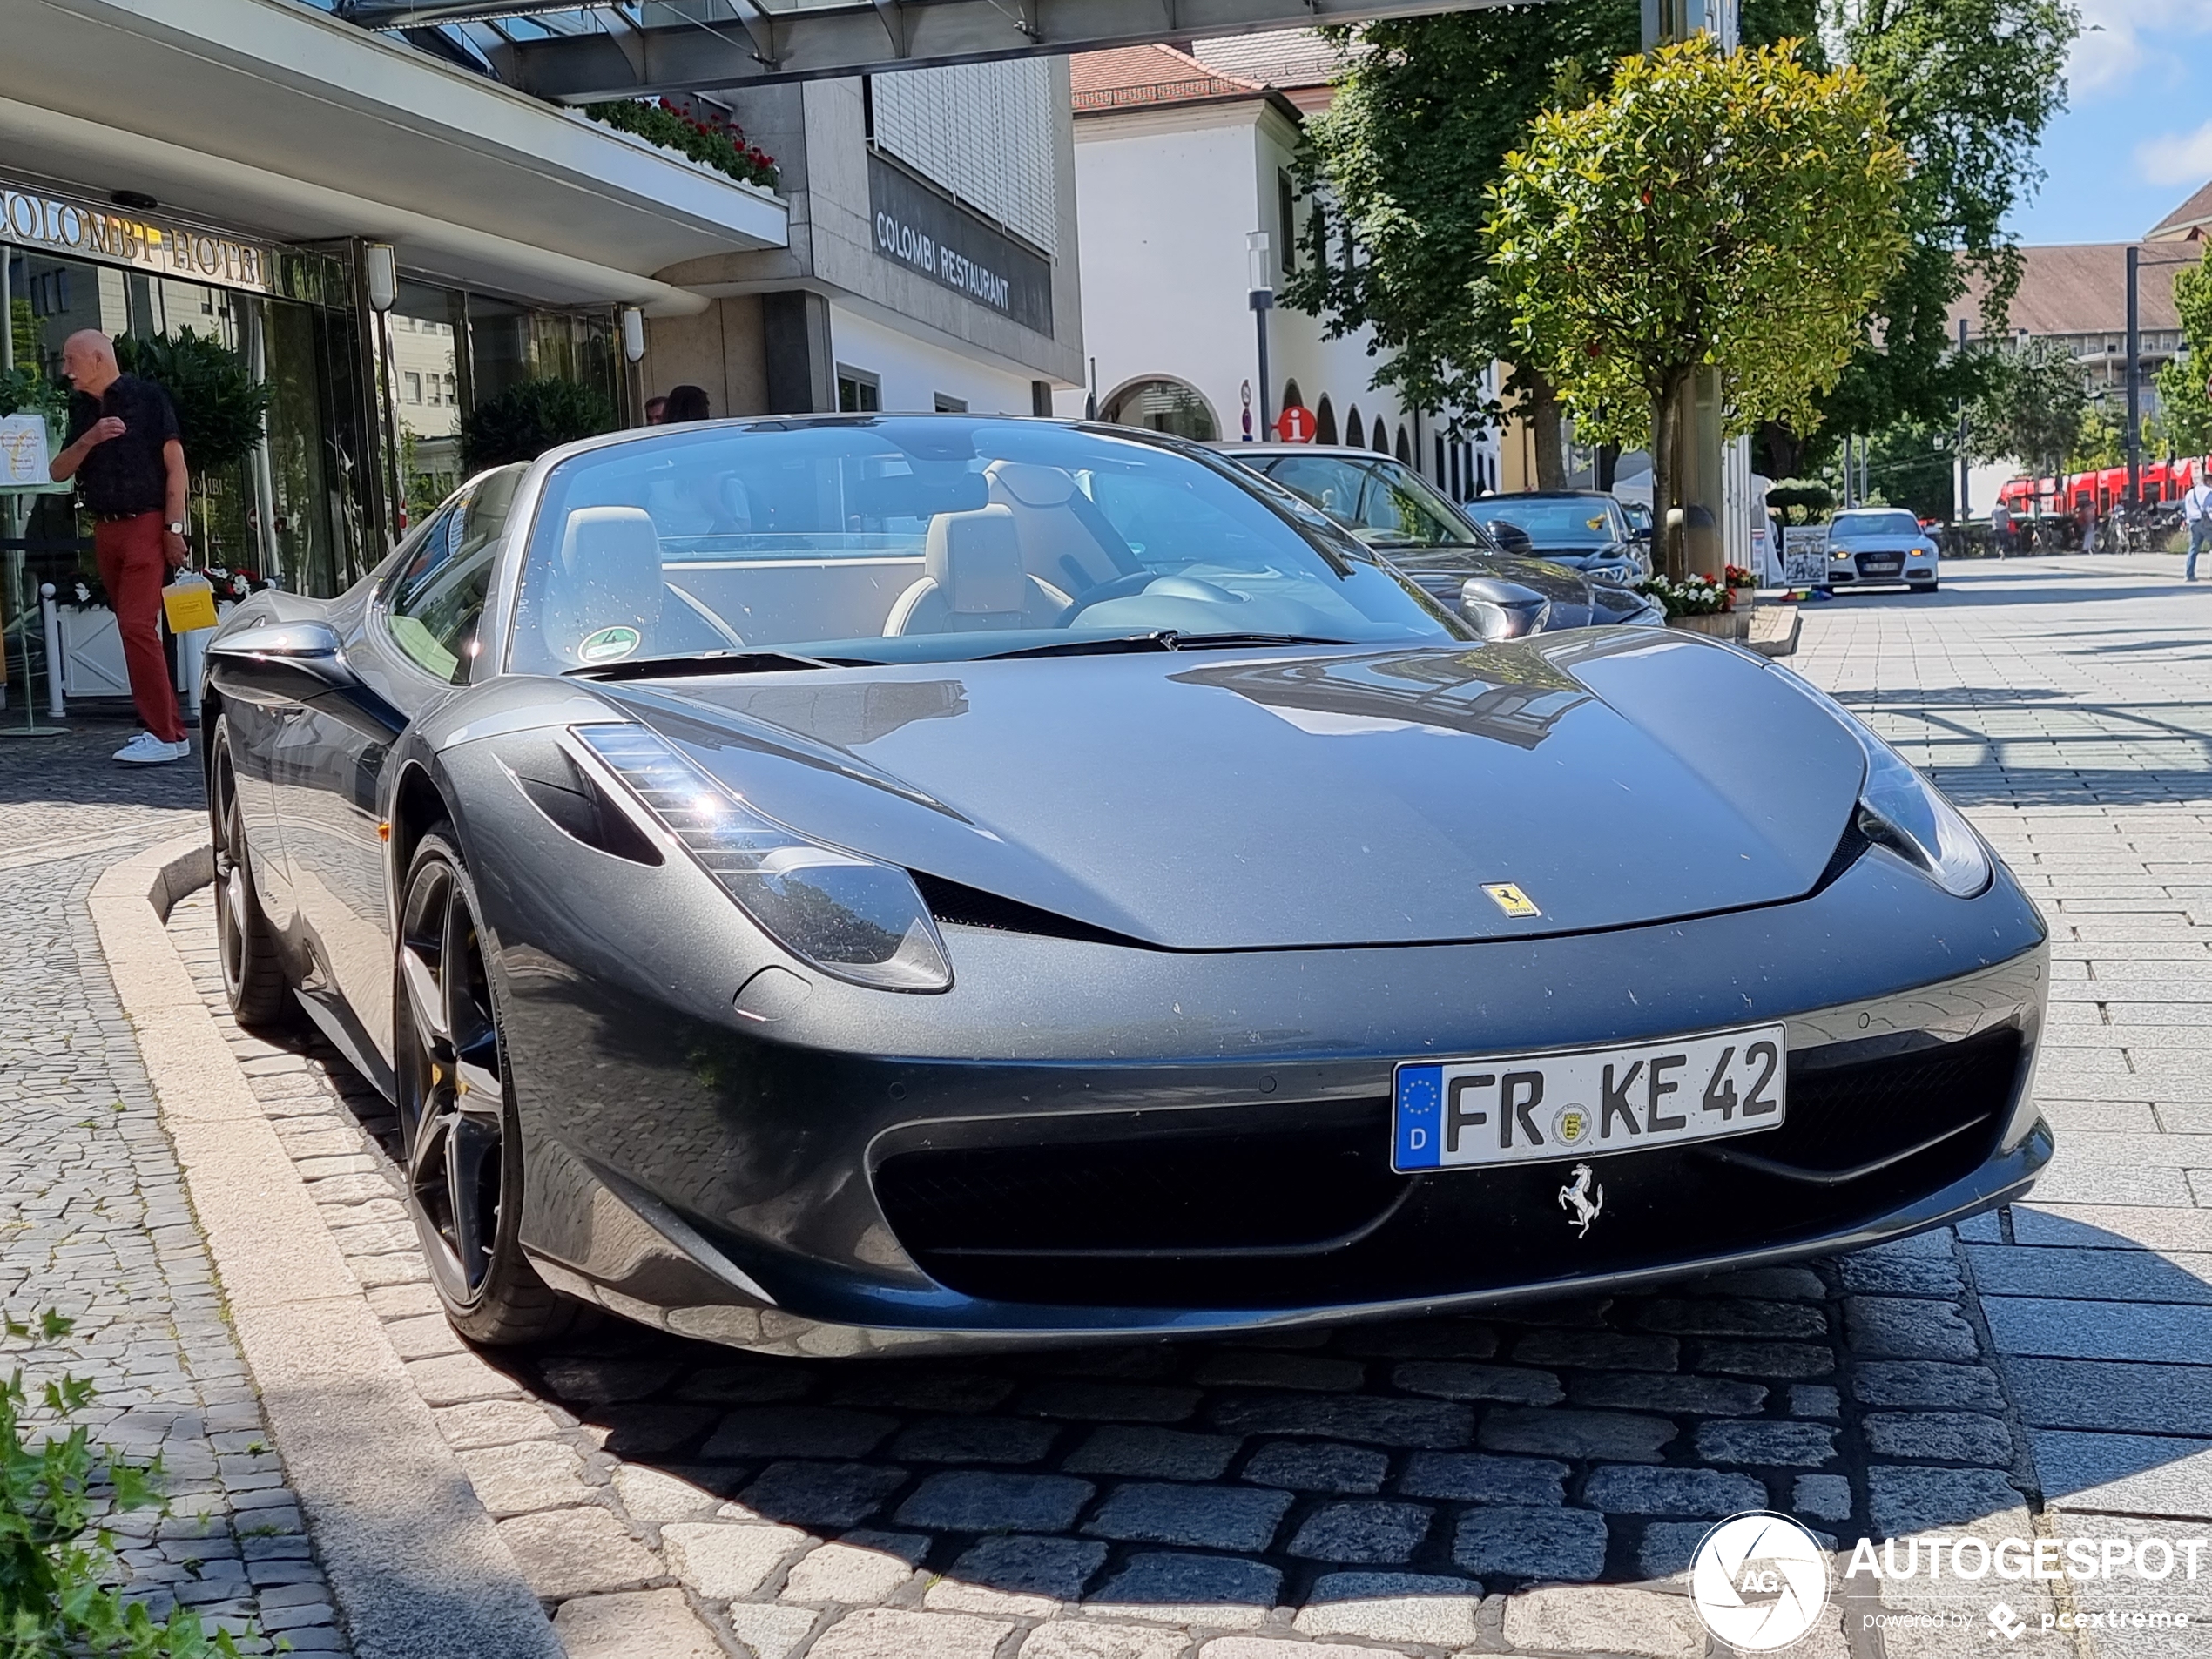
x=123 y=452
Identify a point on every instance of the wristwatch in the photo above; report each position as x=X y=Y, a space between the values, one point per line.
x=175 y=526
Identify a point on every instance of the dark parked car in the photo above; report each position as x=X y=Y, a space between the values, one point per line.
x=1586 y=529
x=845 y=885
x=1388 y=505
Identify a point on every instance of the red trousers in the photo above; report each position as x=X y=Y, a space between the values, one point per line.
x=133 y=570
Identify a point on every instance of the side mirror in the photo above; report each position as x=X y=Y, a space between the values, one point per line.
x=282 y=662
x=1501 y=610
x=1510 y=536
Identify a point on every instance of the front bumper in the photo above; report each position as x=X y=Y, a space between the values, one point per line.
x=726 y=1177
x=1880 y=566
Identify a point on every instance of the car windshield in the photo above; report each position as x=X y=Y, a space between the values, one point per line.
x=926 y=538
x=1890 y=522
x=1550 y=521
x=1384 y=503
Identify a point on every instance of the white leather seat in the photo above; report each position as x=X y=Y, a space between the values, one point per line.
x=972 y=580
x=1057 y=546
x=607 y=578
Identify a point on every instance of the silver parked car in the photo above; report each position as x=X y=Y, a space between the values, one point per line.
x=1868 y=545
x=1392 y=508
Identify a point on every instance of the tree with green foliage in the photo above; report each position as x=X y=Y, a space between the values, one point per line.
x=2184 y=400
x=1801 y=501
x=1970 y=86
x=1737 y=211
x=2103 y=439
x=1915 y=464
x=2030 y=408
x=526 y=420
x=220 y=408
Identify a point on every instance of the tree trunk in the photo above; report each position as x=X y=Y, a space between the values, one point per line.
x=1609 y=464
x=1669 y=423
x=1540 y=410
x=1783 y=450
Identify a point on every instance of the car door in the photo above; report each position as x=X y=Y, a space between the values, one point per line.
x=409 y=645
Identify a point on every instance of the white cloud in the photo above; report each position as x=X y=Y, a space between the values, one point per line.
x=2176 y=158
x=2120 y=37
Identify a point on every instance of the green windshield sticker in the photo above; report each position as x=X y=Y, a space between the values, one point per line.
x=609 y=644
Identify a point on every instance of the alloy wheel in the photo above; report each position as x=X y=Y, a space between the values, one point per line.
x=453 y=1095
x=232 y=917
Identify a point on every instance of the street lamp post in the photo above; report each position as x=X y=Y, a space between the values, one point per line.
x=2135 y=378
x=1257 y=250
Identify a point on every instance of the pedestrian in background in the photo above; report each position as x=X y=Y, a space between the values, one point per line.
x=129 y=465
x=686 y=403
x=655 y=411
x=2196 y=512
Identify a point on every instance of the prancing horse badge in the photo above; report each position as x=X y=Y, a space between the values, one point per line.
x=1511 y=900
x=1581 y=1197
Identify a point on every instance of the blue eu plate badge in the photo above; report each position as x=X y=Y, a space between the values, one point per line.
x=1420 y=1116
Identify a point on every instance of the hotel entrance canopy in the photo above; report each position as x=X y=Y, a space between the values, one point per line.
x=579 y=55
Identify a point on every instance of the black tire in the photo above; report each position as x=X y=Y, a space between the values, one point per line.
x=464 y=1166
x=253 y=980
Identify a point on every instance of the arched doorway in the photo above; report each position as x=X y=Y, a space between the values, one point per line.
x=1325 y=420
x=1162 y=405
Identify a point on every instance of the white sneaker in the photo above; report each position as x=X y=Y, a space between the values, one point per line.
x=147 y=750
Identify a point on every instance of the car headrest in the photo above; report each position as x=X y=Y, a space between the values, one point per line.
x=976 y=560
x=1031 y=484
x=609 y=577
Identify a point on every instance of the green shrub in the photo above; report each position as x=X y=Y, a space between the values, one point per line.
x=26 y=391
x=57 y=1565
x=721 y=145
x=1801 y=501
x=219 y=409
x=523 y=421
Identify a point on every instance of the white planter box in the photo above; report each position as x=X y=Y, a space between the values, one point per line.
x=92 y=653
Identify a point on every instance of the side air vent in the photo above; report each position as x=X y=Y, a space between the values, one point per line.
x=957 y=906
x=553 y=782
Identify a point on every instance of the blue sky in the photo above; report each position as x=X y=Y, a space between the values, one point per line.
x=2136 y=137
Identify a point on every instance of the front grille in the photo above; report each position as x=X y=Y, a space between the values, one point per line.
x=1297 y=1206
x=1877 y=564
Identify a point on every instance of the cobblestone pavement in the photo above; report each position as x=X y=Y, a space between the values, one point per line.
x=1528 y=1483
x=93 y=1218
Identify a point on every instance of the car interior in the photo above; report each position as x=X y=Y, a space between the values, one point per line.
x=771 y=540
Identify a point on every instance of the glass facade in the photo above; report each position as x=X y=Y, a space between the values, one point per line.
x=366 y=413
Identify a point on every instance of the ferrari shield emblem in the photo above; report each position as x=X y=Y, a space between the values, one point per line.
x=1511 y=900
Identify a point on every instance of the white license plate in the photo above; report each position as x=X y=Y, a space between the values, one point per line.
x=1528 y=1109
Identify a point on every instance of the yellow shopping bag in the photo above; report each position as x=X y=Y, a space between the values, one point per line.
x=188 y=604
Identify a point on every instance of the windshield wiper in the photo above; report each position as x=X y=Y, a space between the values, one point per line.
x=1158 y=639
x=707 y=662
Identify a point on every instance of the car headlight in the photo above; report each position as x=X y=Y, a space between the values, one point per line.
x=1900 y=810
x=855 y=918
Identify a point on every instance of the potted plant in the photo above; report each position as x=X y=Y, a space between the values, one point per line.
x=525 y=421
x=1698 y=604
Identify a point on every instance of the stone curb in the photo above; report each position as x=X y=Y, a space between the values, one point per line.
x=418 y=1569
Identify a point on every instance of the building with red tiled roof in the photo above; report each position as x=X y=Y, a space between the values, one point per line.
x=2190 y=222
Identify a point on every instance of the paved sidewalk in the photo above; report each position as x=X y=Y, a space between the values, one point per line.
x=93 y=1220
x=2066 y=704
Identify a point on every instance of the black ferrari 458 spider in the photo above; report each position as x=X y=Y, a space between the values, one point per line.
x=848 y=885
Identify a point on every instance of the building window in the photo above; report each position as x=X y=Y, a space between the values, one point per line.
x=1405 y=446
x=1163 y=406
x=946 y=404
x=1286 y=220
x=1325 y=420
x=1381 y=444
x=413 y=388
x=857 y=391
x=1292 y=398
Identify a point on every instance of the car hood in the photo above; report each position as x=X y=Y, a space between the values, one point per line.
x=1301 y=798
